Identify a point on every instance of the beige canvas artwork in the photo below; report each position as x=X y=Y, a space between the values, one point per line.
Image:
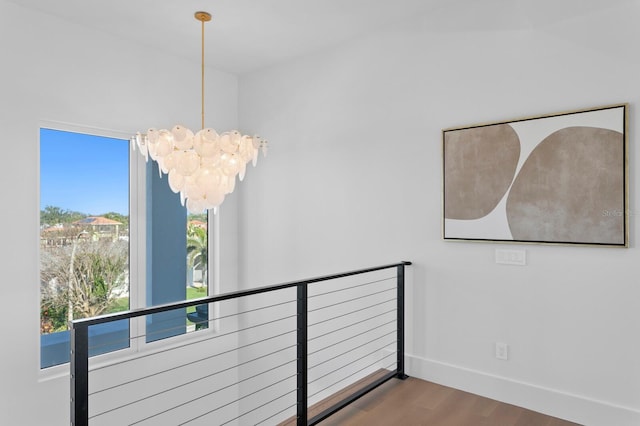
x=559 y=179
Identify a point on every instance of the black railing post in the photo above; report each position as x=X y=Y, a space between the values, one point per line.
x=79 y=375
x=400 y=350
x=302 y=356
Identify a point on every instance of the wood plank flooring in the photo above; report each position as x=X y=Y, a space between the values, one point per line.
x=415 y=402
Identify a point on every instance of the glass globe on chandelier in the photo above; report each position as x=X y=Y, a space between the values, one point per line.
x=201 y=166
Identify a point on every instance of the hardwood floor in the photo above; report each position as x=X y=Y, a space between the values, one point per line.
x=416 y=402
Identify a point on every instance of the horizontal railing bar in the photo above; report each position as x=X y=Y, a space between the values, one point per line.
x=355 y=396
x=344 y=366
x=140 y=336
x=347 y=326
x=197 y=343
x=252 y=410
x=350 y=350
x=311 y=296
x=134 y=313
x=209 y=393
x=355 y=311
x=237 y=314
x=248 y=311
x=279 y=412
x=197 y=361
x=350 y=300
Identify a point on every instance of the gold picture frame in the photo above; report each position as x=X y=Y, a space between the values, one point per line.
x=552 y=179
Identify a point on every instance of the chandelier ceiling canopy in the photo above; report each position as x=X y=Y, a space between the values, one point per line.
x=202 y=166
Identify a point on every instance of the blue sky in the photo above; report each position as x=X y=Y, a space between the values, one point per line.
x=84 y=173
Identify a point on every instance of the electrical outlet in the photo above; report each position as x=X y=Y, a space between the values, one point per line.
x=502 y=351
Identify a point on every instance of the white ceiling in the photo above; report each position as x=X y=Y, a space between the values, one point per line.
x=246 y=35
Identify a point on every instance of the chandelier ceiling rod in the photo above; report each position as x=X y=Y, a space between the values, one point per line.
x=202 y=17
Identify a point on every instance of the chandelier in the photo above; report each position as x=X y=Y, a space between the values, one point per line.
x=203 y=166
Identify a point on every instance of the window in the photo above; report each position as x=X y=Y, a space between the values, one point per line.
x=84 y=237
x=100 y=209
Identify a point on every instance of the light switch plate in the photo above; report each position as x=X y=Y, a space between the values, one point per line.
x=511 y=257
x=502 y=351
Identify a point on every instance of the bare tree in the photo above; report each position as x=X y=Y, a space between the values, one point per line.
x=97 y=276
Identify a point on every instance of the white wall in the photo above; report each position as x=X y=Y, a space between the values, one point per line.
x=56 y=71
x=353 y=179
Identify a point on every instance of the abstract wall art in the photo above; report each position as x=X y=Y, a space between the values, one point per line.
x=552 y=179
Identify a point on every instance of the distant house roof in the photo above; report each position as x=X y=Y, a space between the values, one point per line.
x=96 y=220
x=198 y=223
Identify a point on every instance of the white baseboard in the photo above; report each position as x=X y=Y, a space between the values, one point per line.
x=575 y=408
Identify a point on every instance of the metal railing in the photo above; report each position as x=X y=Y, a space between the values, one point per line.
x=290 y=347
